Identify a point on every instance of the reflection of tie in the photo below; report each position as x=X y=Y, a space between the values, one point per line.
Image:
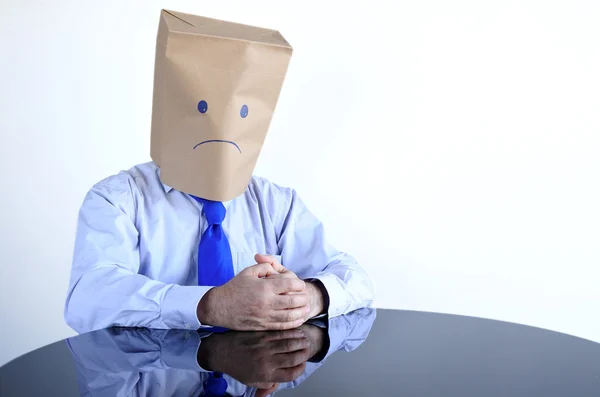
x=215 y=266
x=215 y=386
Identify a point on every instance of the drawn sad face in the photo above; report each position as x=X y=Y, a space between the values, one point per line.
x=225 y=116
x=203 y=109
x=215 y=122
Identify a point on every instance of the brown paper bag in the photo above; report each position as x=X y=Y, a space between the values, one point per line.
x=216 y=85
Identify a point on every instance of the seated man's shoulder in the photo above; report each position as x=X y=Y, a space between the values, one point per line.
x=128 y=182
x=263 y=189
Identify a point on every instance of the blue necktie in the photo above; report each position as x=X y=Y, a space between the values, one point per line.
x=215 y=266
x=215 y=386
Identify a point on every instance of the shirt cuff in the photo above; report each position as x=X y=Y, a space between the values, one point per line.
x=180 y=350
x=180 y=305
x=336 y=292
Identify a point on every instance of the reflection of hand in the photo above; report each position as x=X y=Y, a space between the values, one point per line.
x=252 y=301
x=261 y=359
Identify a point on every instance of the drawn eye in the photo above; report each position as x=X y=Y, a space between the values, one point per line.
x=244 y=111
x=202 y=106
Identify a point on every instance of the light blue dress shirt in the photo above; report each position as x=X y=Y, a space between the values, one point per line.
x=136 y=248
x=149 y=362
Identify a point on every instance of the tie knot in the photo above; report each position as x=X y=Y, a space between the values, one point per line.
x=213 y=210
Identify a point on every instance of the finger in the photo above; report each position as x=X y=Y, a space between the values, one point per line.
x=289 y=374
x=260 y=270
x=282 y=326
x=264 y=392
x=282 y=285
x=292 y=300
x=270 y=259
x=272 y=336
x=290 y=360
x=260 y=385
x=284 y=346
x=289 y=315
x=285 y=274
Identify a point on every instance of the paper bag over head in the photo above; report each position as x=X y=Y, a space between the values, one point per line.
x=216 y=85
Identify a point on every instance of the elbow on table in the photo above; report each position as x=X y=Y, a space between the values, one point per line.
x=77 y=314
x=72 y=317
x=368 y=290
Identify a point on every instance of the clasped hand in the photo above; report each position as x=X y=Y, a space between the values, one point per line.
x=265 y=296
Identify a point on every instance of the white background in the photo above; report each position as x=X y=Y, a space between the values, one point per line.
x=452 y=147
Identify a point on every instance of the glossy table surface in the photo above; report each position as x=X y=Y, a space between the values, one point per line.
x=366 y=353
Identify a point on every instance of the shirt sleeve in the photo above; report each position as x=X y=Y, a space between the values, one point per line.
x=306 y=251
x=105 y=287
x=115 y=350
x=113 y=362
x=346 y=333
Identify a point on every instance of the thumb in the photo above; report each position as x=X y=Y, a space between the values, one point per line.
x=260 y=258
x=260 y=270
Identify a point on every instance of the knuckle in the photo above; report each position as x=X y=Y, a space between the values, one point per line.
x=289 y=283
x=295 y=300
x=292 y=315
x=305 y=344
x=304 y=299
x=289 y=361
x=290 y=345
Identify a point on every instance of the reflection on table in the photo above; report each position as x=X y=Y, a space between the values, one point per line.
x=152 y=362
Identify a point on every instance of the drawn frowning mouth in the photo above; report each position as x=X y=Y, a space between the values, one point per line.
x=218 y=141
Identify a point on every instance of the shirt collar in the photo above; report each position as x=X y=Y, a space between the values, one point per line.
x=169 y=188
x=165 y=186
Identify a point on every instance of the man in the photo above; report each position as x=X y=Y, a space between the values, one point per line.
x=192 y=238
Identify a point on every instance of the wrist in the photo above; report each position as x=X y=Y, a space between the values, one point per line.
x=203 y=357
x=317 y=299
x=317 y=338
x=206 y=308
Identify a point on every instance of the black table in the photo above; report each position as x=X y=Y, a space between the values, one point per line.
x=367 y=353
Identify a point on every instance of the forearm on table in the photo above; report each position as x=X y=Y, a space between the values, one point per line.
x=107 y=296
